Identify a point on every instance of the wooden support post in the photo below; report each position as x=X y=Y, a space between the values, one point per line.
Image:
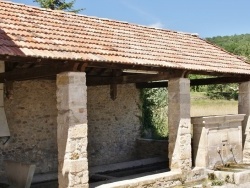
x=113 y=85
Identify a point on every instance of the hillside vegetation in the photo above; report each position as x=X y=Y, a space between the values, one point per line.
x=236 y=44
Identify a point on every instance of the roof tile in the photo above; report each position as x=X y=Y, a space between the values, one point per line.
x=36 y=32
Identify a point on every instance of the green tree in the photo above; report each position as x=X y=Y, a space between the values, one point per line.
x=154 y=113
x=223 y=91
x=58 y=5
x=238 y=45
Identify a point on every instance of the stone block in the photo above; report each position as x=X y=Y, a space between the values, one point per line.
x=244 y=87
x=201 y=158
x=185 y=139
x=67 y=78
x=72 y=117
x=72 y=97
x=72 y=127
x=196 y=174
x=242 y=177
x=19 y=174
x=77 y=116
x=225 y=176
x=78 y=131
x=77 y=146
x=4 y=127
x=185 y=153
x=176 y=98
x=75 y=166
x=1 y=96
x=179 y=123
x=64 y=180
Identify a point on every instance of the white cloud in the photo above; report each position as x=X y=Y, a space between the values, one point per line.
x=138 y=10
x=157 y=25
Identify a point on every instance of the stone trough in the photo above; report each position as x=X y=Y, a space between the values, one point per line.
x=217 y=146
x=235 y=173
x=217 y=140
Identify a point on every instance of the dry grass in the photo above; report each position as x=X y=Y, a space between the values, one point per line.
x=202 y=106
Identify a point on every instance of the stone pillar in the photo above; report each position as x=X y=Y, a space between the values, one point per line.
x=244 y=108
x=72 y=130
x=179 y=124
x=4 y=128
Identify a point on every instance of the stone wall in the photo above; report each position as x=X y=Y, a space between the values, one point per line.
x=31 y=114
x=113 y=125
x=147 y=148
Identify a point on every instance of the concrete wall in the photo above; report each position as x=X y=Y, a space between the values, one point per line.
x=31 y=113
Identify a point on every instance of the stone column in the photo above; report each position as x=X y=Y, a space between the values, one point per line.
x=244 y=108
x=179 y=124
x=72 y=130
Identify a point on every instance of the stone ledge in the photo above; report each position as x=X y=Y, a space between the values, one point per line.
x=130 y=164
x=217 y=119
x=166 y=179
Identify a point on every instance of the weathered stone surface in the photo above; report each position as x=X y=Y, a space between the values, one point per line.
x=196 y=174
x=147 y=148
x=179 y=124
x=219 y=139
x=19 y=175
x=113 y=126
x=31 y=115
x=168 y=179
x=242 y=177
x=244 y=108
x=73 y=132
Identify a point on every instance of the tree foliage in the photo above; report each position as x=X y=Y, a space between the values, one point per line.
x=154 y=113
x=58 y=5
x=223 y=91
x=236 y=44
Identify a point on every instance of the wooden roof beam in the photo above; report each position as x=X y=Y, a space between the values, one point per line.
x=197 y=82
x=33 y=73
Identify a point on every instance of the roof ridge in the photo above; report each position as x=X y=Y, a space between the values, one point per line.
x=100 y=18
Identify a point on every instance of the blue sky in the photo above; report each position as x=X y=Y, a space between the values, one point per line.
x=208 y=18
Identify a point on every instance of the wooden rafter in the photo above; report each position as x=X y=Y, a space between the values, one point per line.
x=197 y=82
x=33 y=73
x=113 y=85
x=135 y=78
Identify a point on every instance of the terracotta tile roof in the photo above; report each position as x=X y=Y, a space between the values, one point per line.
x=36 y=32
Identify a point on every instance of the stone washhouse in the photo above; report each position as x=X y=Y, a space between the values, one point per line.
x=70 y=103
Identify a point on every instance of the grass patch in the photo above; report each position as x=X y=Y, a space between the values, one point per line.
x=201 y=105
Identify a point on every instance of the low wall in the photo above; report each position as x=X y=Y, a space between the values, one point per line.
x=167 y=179
x=160 y=180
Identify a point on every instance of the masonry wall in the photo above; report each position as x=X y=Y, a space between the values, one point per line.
x=113 y=125
x=147 y=148
x=31 y=113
